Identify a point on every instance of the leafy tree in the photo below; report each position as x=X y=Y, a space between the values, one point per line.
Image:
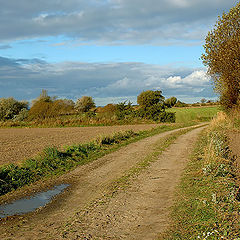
x=222 y=56
x=151 y=106
x=40 y=110
x=149 y=98
x=22 y=115
x=10 y=107
x=170 y=102
x=43 y=97
x=180 y=104
x=109 y=108
x=124 y=109
x=84 y=104
x=45 y=106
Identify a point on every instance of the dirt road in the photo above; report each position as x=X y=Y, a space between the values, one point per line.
x=140 y=212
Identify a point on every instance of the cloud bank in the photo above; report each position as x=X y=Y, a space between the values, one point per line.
x=111 y=21
x=106 y=82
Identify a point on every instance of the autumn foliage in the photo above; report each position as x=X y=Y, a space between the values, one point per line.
x=222 y=57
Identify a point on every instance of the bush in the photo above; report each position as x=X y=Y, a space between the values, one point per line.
x=180 y=104
x=43 y=109
x=40 y=110
x=22 y=115
x=167 y=117
x=9 y=107
x=149 y=98
x=170 y=102
x=84 y=104
x=124 y=110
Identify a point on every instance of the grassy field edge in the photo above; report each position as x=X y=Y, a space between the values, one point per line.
x=207 y=200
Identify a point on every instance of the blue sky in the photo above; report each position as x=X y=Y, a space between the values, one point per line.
x=108 y=49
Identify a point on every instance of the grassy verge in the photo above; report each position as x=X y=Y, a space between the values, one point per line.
x=207 y=205
x=54 y=162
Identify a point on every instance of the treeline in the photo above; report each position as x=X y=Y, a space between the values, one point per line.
x=50 y=111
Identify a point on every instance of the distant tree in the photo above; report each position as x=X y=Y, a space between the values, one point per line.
x=40 y=110
x=180 y=104
x=109 y=108
x=203 y=100
x=170 y=102
x=149 y=98
x=43 y=97
x=222 y=57
x=45 y=106
x=124 y=109
x=68 y=102
x=152 y=106
x=84 y=104
x=10 y=107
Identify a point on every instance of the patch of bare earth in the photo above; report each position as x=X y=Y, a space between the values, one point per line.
x=18 y=144
x=138 y=212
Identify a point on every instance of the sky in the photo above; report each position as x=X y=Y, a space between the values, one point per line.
x=111 y=50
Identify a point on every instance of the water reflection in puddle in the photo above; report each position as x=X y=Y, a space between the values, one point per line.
x=26 y=205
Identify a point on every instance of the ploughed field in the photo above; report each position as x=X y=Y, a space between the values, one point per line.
x=17 y=144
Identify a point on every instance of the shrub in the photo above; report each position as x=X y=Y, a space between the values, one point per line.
x=167 y=117
x=152 y=106
x=124 y=110
x=84 y=104
x=9 y=107
x=180 y=104
x=43 y=109
x=22 y=115
x=170 y=102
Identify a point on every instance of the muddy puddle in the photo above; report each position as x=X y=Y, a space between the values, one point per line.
x=30 y=204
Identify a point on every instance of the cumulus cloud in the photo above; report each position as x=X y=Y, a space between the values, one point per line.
x=24 y=79
x=111 y=21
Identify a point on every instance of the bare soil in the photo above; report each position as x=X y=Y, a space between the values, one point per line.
x=140 y=212
x=16 y=144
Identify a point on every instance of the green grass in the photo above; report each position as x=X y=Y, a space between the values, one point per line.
x=207 y=203
x=198 y=114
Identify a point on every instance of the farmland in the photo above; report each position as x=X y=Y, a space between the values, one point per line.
x=20 y=143
x=187 y=114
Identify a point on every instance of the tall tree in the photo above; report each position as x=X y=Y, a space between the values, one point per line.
x=222 y=56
